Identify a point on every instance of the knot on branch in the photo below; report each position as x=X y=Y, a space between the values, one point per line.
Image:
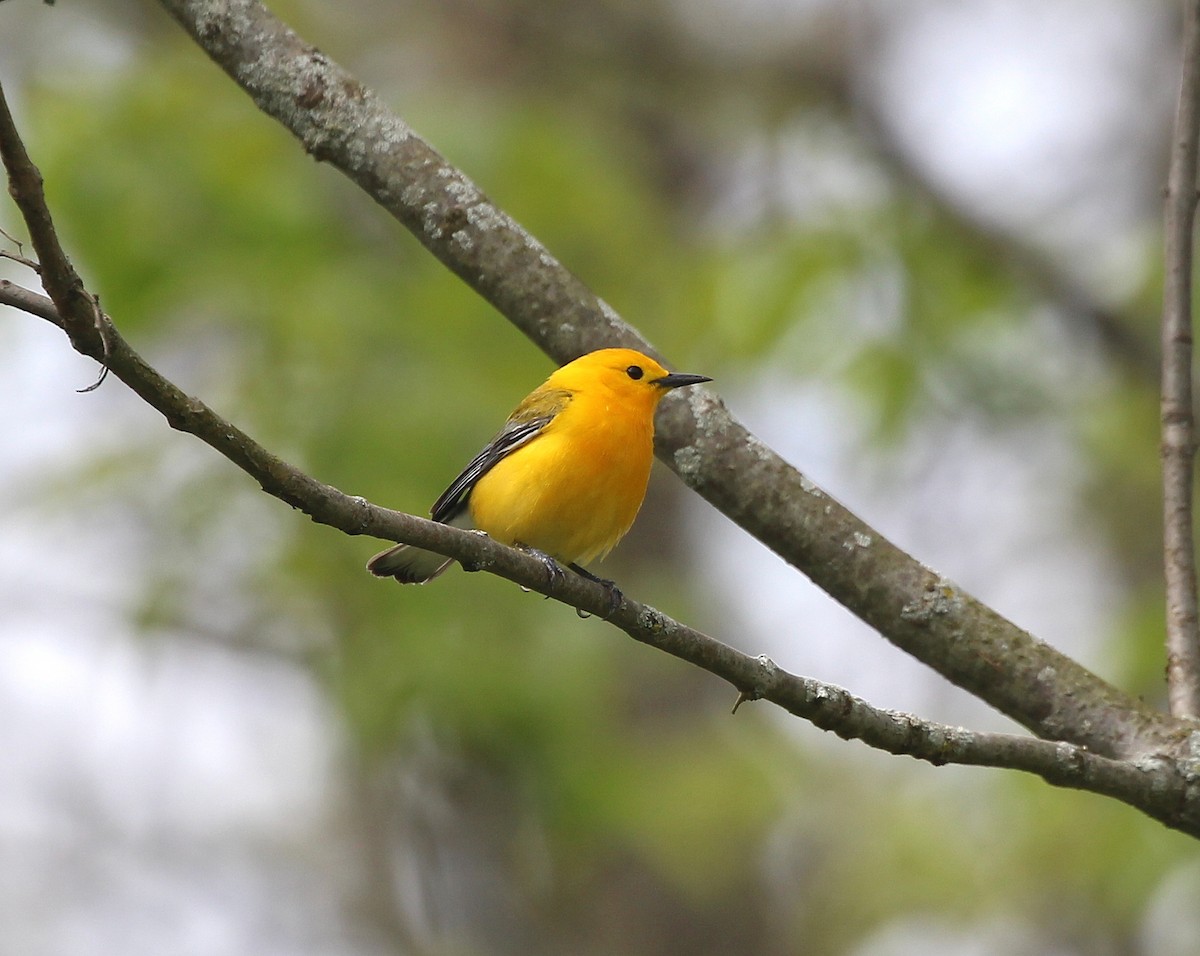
x=937 y=600
x=767 y=679
x=1070 y=757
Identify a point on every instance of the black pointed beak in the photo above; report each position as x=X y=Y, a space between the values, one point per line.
x=679 y=380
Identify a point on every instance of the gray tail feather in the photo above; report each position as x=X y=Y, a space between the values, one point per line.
x=408 y=565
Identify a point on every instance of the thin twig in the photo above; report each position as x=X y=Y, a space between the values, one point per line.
x=18 y=256
x=1178 y=417
x=101 y=324
x=53 y=266
x=28 y=301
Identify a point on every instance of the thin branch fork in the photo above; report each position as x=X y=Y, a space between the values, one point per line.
x=1177 y=414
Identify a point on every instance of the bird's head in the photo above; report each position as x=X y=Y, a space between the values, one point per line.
x=629 y=374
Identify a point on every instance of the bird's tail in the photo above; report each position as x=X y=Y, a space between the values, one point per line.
x=408 y=565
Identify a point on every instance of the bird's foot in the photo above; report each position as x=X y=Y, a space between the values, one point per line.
x=615 y=597
x=554 y=573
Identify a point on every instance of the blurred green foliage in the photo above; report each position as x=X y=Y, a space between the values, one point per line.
x=326 y=332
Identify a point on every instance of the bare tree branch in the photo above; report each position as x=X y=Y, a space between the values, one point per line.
x=1158 y=786
x=1161 y=786
x=1178 y=416
x=341 y=122
x=27 y=301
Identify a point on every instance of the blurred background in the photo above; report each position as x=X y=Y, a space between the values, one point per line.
x=918 y=247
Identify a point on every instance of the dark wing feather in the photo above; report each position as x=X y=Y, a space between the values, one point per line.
x=454 y=498
x=531 y=416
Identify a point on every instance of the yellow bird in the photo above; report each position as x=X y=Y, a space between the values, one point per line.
x=565 y=476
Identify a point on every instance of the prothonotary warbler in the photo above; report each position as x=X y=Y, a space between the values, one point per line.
x=567 y=473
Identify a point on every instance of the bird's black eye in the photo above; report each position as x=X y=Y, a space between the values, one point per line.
x=634 y=372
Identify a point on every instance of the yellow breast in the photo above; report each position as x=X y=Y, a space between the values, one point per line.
x=574 y=490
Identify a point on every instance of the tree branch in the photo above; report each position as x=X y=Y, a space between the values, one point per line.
x=1159 y=787
x=57 y=275
x=1178 y=416
x=341 y=122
